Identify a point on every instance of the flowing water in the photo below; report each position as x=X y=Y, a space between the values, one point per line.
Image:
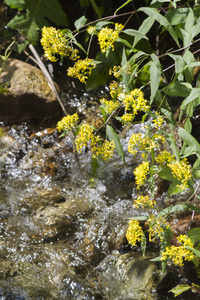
x=60 y=217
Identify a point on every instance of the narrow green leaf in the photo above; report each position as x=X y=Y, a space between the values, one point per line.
x=179 y=289
x=156 y=258
x=144 y=29
x=176 y=89
x=155 y=75
x=114 y=137
x=189 y=140
x=177 y=16
x=194 y=234
x=134 y=32
x=195 y=251
x=80 y=22
x=179 y=63
x=194 y=94
x=177 y=208
x=139 y=218
x=128 y=1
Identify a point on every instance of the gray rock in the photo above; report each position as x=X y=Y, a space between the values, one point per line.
x=29 y=95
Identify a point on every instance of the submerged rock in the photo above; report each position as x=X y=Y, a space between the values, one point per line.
x=129 y=276
x=29 y=95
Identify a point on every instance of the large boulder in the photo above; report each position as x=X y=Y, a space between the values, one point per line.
x=29 y=96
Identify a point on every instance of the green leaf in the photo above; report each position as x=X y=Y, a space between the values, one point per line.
x=144 y=29
x=114 y=137
x=195 y=251
x=155 y=75
x=196 y=167
x=189 y=140
x=154 y=14
x=194 y=234
x=136 y=33
x=177 y=16
x=80 y=22
x=179 y=63
x=179 y=289
x=36 y=16
x=15 y=3
x=177 y=208
x=177 y=89
x=143 y=245
x=194 y=94
x=156 y=258
x=122 y=6
x=139 y=218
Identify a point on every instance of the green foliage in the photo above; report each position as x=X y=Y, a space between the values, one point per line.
x=136 y=68
x=33 y=15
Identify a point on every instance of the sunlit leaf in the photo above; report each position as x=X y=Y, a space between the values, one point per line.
x=80 y=22
x=114 y=137
x=179 y=289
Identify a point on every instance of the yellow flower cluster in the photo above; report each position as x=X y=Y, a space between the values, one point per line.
x=109 y=106
x=91 y=30
x=116 y=71
x=164 y=157
x=105 y=151
x=67 y=122
x=179 y=253
x=156 y=229
x=138 y=142
x=182 y=171
x=101 y=148
x=134 y=101
x=127 y=118
x=108 y=36
x=141 y=173
x=54 y=42
x=115 y=89
x=134 y=232
x=81 y=69
x=144 y=201
x=158 y=121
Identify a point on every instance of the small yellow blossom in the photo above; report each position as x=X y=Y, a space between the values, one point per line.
x=134 y=232
x=108 y=36
x=99 y=148
x=158 y=121
x=144 y=201
x=84 y=136
x=54 y=42
x=138 y=142
x=116 y=71
x=134 y=101
x=156 y=228
x=81 y=69
x=158 y=137
x=109 y=106
x=164 y=157
x=182 y=171
x=91 y=30
x=127 y=118
x=179 y=253
x=119 y=27
x=115 y=89
x=141 y=173
x=105 y=151
x=67 y=122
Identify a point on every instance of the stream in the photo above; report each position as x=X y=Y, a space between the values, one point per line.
x=63 y=221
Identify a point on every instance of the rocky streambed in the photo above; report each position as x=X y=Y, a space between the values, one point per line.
x=63 y=220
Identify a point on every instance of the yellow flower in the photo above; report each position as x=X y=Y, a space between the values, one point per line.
x=127 y=118
x=108 y=36
x=67 y=122
x=156 y=228
x=134 y=232
x=101 y=148
x=109 y=106
x=134 y=101
x=141 y=173
x=81 y=69
x=164 y=157
x=84 y=136
x=115 y=89
x=144 y=201
x=105 y=151
x=91 y=30
x=179 y=253
x=138 y=142
x=54 y=42
x=116 y=71
x=158 y=121
x=182 y=171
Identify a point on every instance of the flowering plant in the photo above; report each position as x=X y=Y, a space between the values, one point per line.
x=160 y=153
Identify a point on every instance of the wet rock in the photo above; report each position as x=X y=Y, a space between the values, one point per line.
x=129 y=276
x=29 y=95
x=57 y=219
